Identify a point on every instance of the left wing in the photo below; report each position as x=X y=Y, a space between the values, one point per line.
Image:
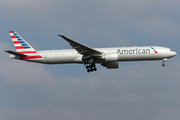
x=82 y=49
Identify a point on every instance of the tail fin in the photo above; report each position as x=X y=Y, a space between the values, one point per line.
x=21 y=45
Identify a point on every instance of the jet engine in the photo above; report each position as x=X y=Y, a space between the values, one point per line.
x=111 y=57
x=113 y=65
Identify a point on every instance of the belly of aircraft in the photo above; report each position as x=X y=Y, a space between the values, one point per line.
x=139 y=57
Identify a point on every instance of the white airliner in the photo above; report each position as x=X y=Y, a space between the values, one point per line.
x=107 y=57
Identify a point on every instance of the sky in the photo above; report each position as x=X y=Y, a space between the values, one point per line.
x=137 y=90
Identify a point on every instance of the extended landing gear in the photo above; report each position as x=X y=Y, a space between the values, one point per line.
x=163 y=64
x=91 y=68
x=164 y=60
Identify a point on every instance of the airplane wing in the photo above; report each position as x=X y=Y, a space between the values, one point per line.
x=15 y=53
x=82 y=49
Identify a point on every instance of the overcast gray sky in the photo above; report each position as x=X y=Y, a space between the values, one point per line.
x=137 y=90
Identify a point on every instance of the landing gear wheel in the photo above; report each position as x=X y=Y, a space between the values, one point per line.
x=93 y=65
x=163 y=64
x=164 y=60
x=91 y=68
x=87 y=67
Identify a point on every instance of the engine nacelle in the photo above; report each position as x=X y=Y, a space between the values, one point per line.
x=113 y=65
x=111 y=57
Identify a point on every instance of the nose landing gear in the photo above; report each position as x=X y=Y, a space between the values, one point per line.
x=163 y=64
x=164 y=60
x=91 y=68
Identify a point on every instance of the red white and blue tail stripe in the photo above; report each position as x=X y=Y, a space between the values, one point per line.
x=23 y=47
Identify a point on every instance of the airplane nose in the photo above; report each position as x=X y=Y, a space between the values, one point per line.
x=174 y=53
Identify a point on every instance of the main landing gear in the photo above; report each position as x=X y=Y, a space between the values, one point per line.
x=91 y=67
x=164 y=60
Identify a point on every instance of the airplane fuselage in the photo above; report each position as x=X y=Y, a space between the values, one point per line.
x=117 y=54
x=107 y=57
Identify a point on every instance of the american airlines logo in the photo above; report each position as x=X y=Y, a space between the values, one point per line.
x=154 y=50
x=136 y=51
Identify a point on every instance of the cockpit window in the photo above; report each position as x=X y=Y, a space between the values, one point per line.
x=171 y=50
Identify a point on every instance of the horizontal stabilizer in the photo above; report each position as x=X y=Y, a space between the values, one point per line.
x=15 y=53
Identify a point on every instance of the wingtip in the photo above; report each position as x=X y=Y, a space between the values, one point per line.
x=61 y=35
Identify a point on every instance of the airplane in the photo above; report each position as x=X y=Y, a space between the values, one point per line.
x=107 y=57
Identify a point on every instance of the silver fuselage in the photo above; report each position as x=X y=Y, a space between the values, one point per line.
x=144 y=53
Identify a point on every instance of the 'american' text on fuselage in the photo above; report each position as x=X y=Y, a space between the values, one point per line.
x=134 y=51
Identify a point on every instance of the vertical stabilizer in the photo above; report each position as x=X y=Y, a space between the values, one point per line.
x=21 y=45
